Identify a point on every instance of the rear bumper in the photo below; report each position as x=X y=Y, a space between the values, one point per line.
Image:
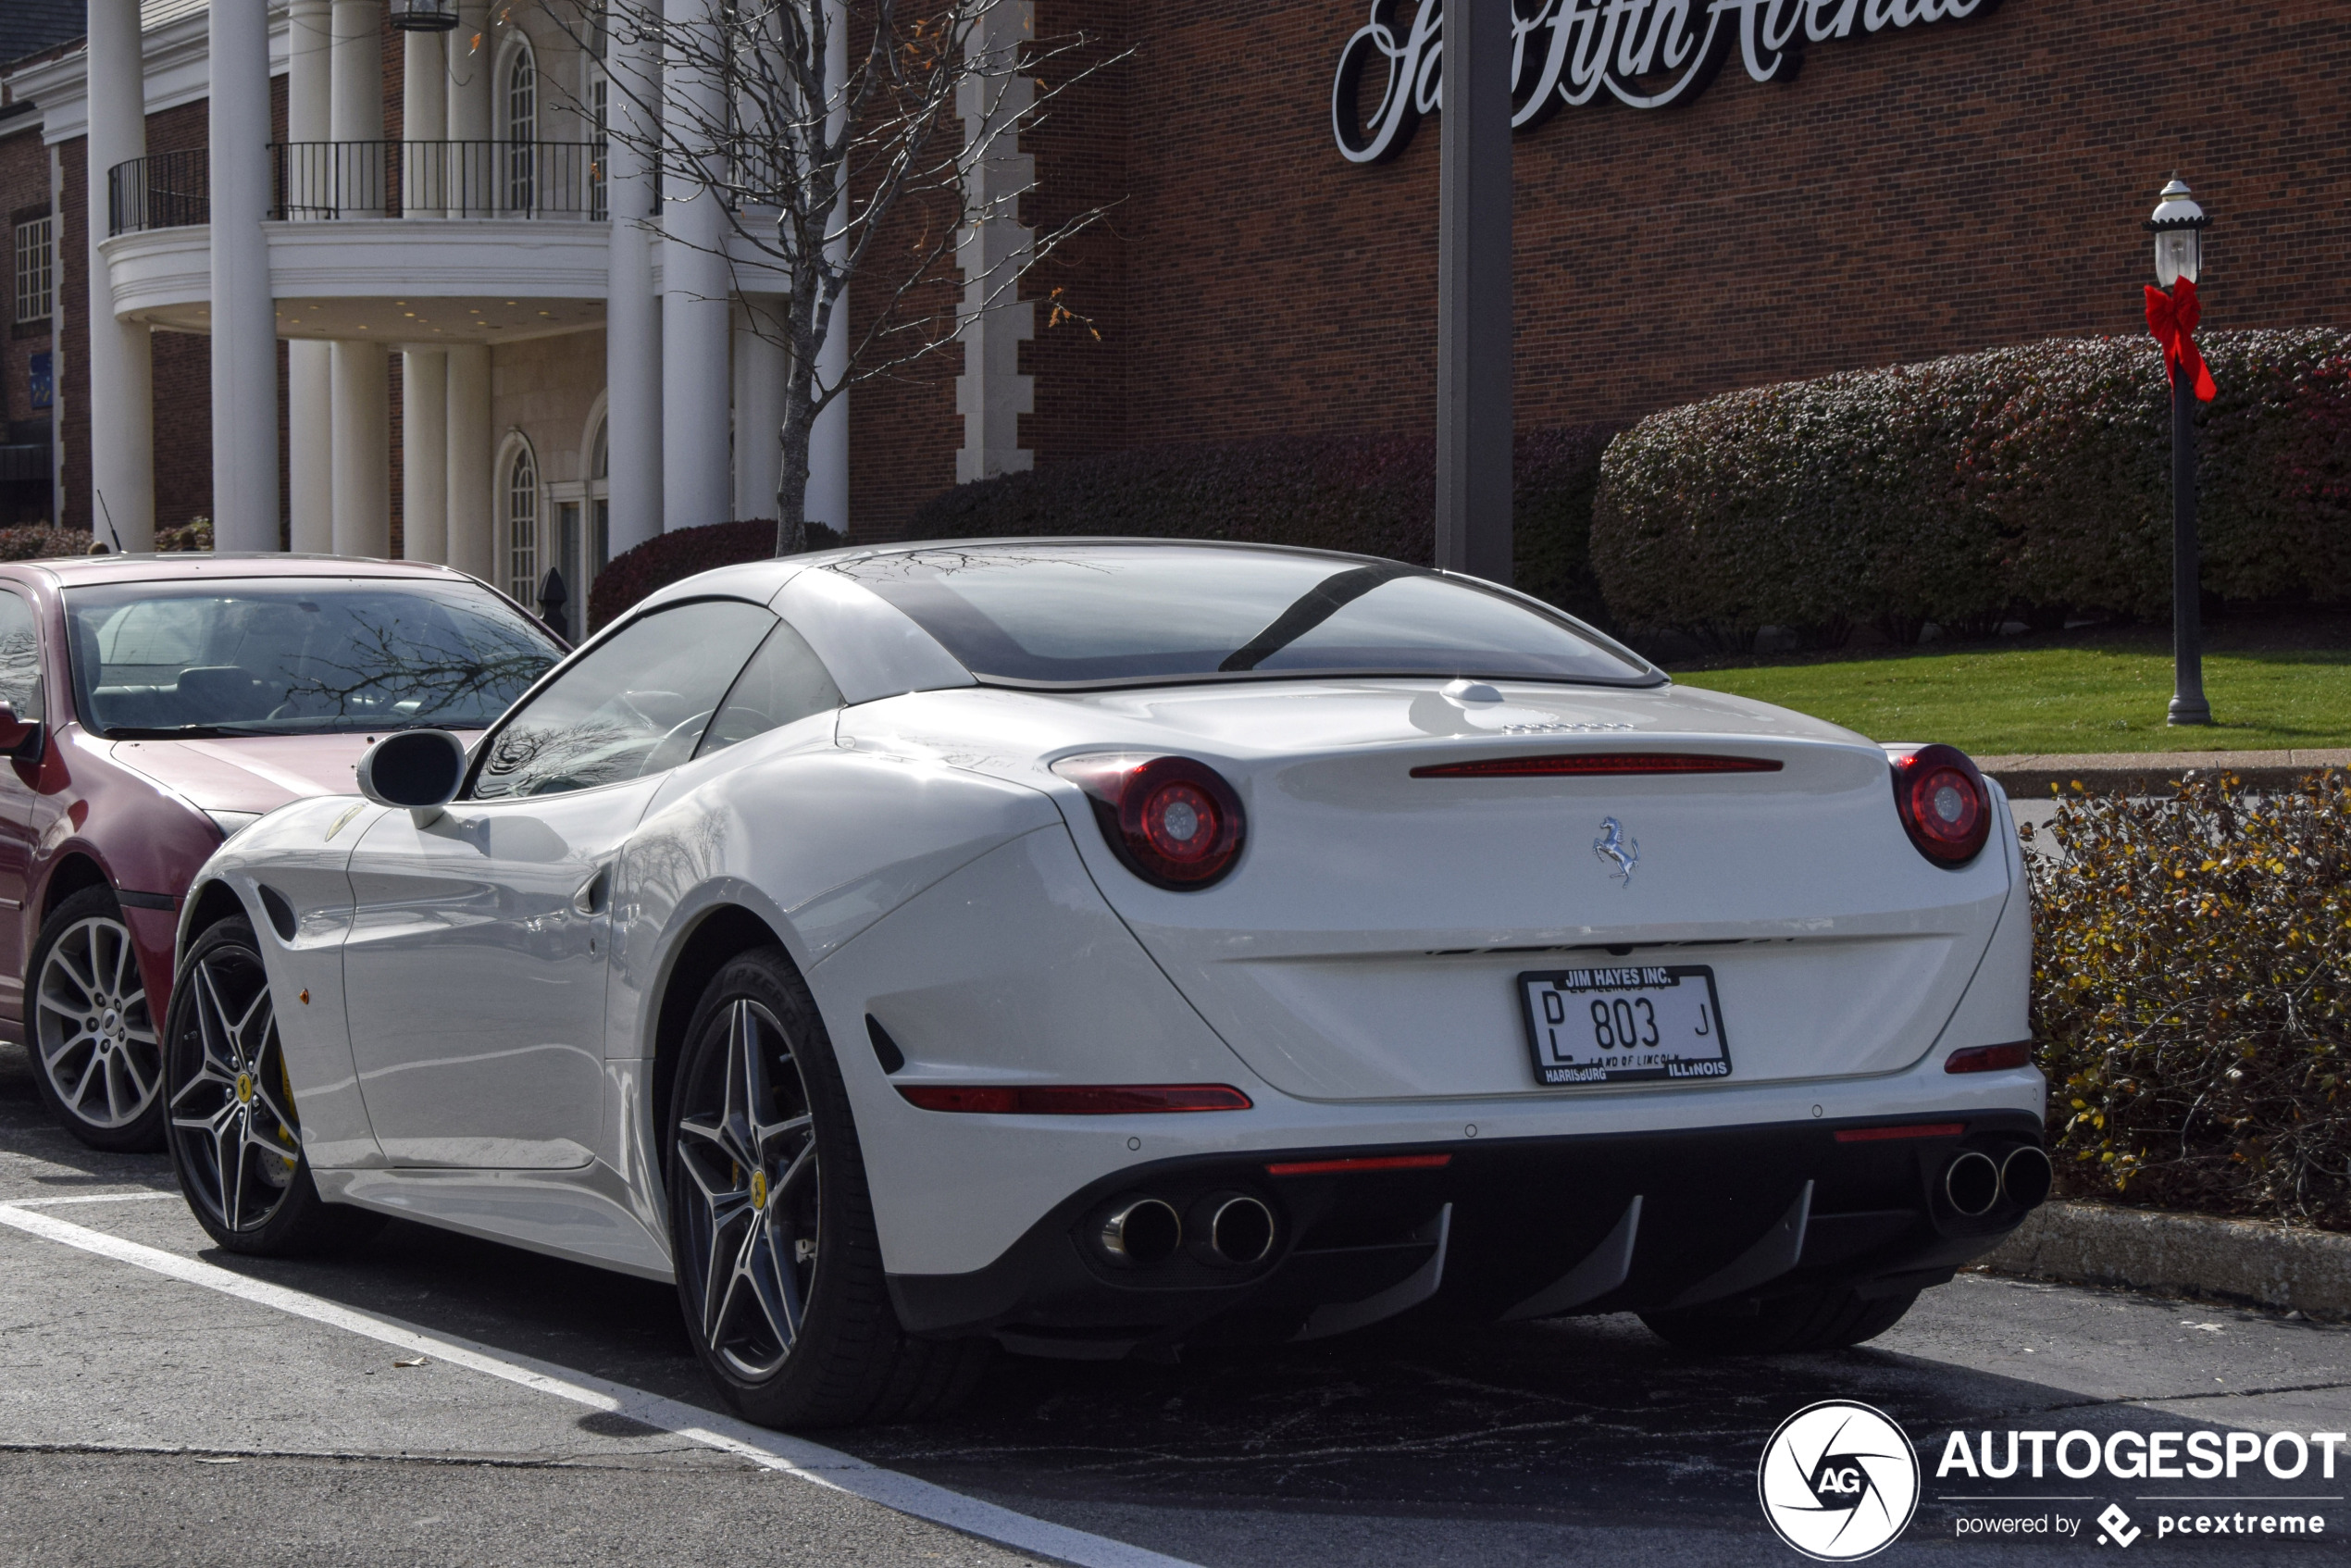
x=1528 y=1227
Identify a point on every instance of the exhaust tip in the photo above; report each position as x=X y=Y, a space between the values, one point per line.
x=1234 y=1230
x=1140 y=1232
x=2025 y=1176
x=1971 y=1182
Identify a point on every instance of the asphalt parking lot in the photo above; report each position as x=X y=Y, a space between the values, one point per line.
x=249 y=1413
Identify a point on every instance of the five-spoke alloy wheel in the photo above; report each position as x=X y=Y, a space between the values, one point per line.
x=234 y=1134
x=771 y=1226
x=98 y=1064
x=749 y=1214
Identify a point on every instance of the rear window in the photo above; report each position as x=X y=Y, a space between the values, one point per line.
x=1107 y=614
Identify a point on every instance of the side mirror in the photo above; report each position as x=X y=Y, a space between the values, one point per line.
x=417 y=769
x=15 y=732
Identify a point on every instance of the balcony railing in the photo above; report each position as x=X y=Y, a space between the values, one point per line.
x=320 y=181
x=160 y=191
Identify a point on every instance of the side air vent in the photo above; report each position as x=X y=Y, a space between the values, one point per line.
x=281 y=913
x=886 y=1049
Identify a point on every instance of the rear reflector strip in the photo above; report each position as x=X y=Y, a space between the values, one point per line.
x=1371 y=1163
x=1881 y=1135
x=1589 y=764
x=1072 y=1100
x=1989 y=1057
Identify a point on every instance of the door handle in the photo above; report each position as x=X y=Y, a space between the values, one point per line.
x=594 y=894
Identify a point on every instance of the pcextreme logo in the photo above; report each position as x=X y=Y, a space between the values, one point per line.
x=1838 y=1481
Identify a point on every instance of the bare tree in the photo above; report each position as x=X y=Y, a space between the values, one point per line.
x=874 y=140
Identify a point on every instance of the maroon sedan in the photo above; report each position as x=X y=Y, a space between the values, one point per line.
x=150 y=706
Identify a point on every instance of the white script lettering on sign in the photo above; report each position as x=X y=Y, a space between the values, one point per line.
x=1644 y=52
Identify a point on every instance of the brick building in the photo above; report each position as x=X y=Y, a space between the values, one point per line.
x=1835 y=183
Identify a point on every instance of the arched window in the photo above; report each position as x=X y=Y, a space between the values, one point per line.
x=522 y=529
x=522 y=131
x=599 y=506
x=599 y=115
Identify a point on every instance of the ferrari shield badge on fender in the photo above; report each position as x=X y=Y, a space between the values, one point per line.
x=1615 y=848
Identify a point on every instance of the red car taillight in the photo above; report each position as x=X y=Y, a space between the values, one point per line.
x=1174 y=821
x=1945 y=804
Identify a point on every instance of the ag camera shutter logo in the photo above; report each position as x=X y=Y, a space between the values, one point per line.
x=1838 y=1481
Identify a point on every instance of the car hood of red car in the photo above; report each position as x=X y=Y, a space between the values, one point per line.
x=257 y=773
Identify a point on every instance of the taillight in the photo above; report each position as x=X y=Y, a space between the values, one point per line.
x=1174 y=821
x=1945 y=804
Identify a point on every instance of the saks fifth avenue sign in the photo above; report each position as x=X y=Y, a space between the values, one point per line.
x=1643 y=53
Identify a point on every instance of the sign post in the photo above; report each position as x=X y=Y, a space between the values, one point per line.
x=1474 y=295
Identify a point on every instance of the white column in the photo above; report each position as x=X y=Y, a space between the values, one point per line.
x=362 y=450
x=355 y=109
x=244 y=315
x=471 y=546
x=632 y=316
x=468 y=92
x=473 y=174
x=310 y=445
x=424 y=376
x=991 y=394
x=760 y=362
x=309 y=362
x=122 y=430
x=424 y=455
x=424 y=116
x=828 y=438
x=361 y=400
x=693 y=303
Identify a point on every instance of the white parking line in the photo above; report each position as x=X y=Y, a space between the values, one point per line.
x=87 y=1198
x=772 y=1450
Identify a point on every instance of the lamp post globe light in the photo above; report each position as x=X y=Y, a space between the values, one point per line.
x=423 y=16
x=2178 y=225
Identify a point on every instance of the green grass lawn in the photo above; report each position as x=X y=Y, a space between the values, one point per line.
x=2100 y=697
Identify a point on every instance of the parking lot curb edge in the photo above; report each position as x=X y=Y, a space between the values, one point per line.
x=2252 y=1260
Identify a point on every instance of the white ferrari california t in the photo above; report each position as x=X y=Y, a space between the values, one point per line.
x=1095 y=946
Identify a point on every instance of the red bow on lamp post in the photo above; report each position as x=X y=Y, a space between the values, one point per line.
x=2173 y=318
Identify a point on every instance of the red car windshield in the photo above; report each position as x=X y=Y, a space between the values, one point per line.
x=296 y=656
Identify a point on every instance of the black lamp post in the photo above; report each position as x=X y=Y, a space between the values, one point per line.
x=2178 y=226
x=423 y=16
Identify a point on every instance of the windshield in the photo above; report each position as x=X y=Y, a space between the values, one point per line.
x=1110 y=614
x=296 y=656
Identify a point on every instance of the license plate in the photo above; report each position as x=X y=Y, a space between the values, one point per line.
x=1625 y=1025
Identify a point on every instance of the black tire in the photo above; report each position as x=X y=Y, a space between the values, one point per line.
x=233 y=1130
x=779 y=1272
x=97 y=1061
x=1827 y=1319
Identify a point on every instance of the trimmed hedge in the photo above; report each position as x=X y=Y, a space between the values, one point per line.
x=1372 y=495
x=2031 y=481
x=2192 y=996
x=672 y=557
x=38 y=542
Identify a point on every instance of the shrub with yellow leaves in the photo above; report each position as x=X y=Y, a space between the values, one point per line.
x=2192 y=996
